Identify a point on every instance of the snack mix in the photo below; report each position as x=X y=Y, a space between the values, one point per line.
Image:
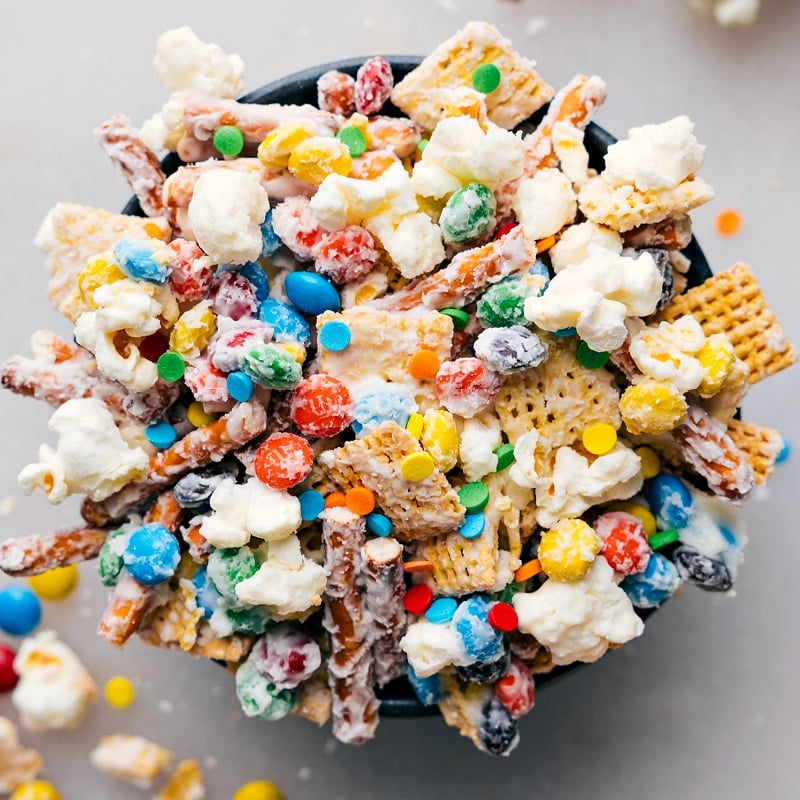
x=382 y=391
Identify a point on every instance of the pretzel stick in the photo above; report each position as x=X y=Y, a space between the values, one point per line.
x=32 y=555
x=199 y=547
x=350 y=665
x=198 y=448
x=465 y=276
x=137 y=163
x=384 y=591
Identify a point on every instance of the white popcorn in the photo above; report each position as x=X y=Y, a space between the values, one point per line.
x=342 y=201
x=91 y=456
x=288 y=583
x=545 y=203
x=249 y=509
x=479 y=437
x=572 y=154
x=54 y=689
x=430 y=647
x=728 y=12
x=225 y=214
x=577 y=620
x=579 y=241
x=655 y=156
x=461 y=152
x=596 y=296
x=131 y=758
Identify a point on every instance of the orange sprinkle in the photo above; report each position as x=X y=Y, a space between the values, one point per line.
x=360 y=500
x=153 y=231
x=335 y=499
x=528 y=570
x=424 y=365
x=545 y=244
x=729 y=222
x=418 y=566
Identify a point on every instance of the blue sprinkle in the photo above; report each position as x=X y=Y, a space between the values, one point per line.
x=481 y=641
x=785 y=452
x=208 y=598
x=20 y=610
x=441 y=610
x=135 y=258
x=473 y=525
x=161 y=435
x=728 y=535
x=379 y=524
x=311 y=293
x=152 y=554
x=334 y=336
x=286 y=322
x=312 y=504
x=240 y=386
x=564 y=333
x=670 y=501
x=653 y=586
x=253 y=273
x=429 y=691
x=270 y=241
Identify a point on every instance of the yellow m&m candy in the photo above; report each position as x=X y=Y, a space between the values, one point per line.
x=56 y=583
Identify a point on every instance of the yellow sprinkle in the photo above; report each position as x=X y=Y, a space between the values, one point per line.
x=119 y=692
x=440 y=438
x=198 y=416
x=56 y=583
x=600 y=439
x=651 y=463
x=417 y=466
x=640 y=512
x=36 y=790
x=568 y=549
x=414 y=425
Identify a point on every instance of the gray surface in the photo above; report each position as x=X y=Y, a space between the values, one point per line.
x=705 y=704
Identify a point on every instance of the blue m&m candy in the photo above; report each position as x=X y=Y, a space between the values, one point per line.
x=286 y=322
x=270 y=241
x=653 y=586
x=253 y=273
x=20 y=610
x=481 y=640
x=136 y=258
x=152 y=554
x=311 y=293
x=670 y=501
x=429 y=691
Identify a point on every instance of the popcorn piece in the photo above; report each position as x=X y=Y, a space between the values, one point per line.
x=288 y=583
x=249 y=509
x=461 y=152
x=185 y=783
x=728 y=12
x=430 y=647
x=91 y=456
x=54 y=689
x=596 y=296
x=545 y=203
x=579 y=241
x=18 y=764
x=133 y=759
x=225 y=213
x=578 y=620
x=479 y=437
x=572 y=155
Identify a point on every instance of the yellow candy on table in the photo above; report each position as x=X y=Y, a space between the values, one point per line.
x=56 y=583
x=642 y=513
x=568 y=549
x=414 y=425
x=97 y=272
x=193 y=331
x=600 y=439
x=119 y=692
x=716 y=357
x=652 y=407
x=36 y=790
x=440 y=438
x=316 y=158
x=198 y=416
x=651 y=463
x=277 y=146
x=259 y=790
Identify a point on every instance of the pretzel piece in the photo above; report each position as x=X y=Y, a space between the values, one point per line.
x=32 y=555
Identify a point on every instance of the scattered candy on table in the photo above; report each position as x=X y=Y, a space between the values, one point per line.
x=20 y=610
x=55 y=584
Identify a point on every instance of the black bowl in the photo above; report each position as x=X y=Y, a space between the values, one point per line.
x=398 y=698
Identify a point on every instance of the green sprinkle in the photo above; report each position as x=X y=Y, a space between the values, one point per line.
x=353 y=139
x=228 y=140
x=170 y=366
x=474 y=496
x=486 y=78
x=458 y=315
x=421 y=145
x=662 y=539
x=505 y=456
x=271 y=366
x=468 y=213
x=591 y=359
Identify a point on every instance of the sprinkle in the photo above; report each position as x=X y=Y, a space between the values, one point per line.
x=119 y=692
x=423 y=365
x=417 y=466
x=564 y=333
x=415 y=424
x=418 y=599
x=335 y=500
x=543 y=245
x=651 y=463
x=419 y=565
x=472 y=526
x=228 y=140
x=379 y=524
x=311 y=504
x=486 y=78
x=421 y=145
x=458 y=315
x=334 y=336
x=198 y=416
x=599 y=439
x=441 y=610
x=528 y=570
x=505 y=456
x=663 y=538
x=728 y=222
x=503 y=617
x=353 y=139
x=240 y=386
x=591 y=359
x=474 y=496
x=170 y=366
x=258 y=790
x=161 y=435
x=360 y=500
x=56 y=583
